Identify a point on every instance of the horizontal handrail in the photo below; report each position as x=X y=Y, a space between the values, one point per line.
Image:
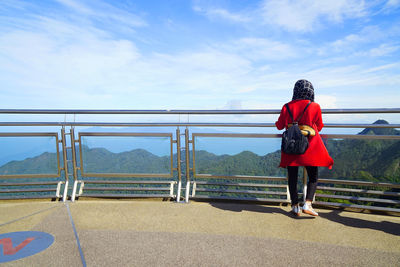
x=365 y=191
x=127 y=188
x=183 y=124
x=126 y=182
x=28 y=183
x=240 y=184
x=193 y=112
x=358 y=183
x=234 y=191
x=245 y=177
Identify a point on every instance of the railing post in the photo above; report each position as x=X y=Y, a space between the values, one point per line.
x=287 y=188
x=305 y=175
x=187 y=159
x=75 y=175
x=64 y=149
x=178 y=159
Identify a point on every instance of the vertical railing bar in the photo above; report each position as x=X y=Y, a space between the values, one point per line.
x=81 y=188
x=187 y=165
x=72 y=135
x=288 y=194
x=305 y=176
x=178 y=155
x=193 y=156
x=194 y=188
x=287 y=187
x=172 y=155
x=80 y=155
x=58 y=155
x=65 y=163
x=171 y=189
x=74 y=190
x=58 y=189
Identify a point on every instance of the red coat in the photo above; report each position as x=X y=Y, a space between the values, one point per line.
x=316 y=154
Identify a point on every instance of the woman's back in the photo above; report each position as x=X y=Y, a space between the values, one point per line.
x=311 y=117
x=316 y=154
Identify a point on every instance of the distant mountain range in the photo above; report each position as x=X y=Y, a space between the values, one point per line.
x=15 y=148
x=380 y=131
x=45 y=163
x=372 y=160
x=100 y=160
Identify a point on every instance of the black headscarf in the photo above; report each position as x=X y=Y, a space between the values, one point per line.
x=303 y=89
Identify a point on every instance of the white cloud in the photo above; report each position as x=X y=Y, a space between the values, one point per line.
x=393 y=3
x=261 y=49
x=64 y=60
x=308 y=15
x=233 y=104
x=350 y=77
x=77 y=6
x=390 y=6
x=79 y=56
x=359 y=43
x=383 y=50
x=65 y=63
x=382 y=67
x=221 y=13
x=75 y=62
x=326 y=101
x=105 y=12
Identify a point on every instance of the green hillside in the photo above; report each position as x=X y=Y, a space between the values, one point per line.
x=244 y=163
x=100 y=160
x=45 y=163
x=370 y=160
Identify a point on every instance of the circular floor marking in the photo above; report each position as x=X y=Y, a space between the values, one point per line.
x=18 y=245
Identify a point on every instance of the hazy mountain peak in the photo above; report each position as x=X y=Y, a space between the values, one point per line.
x=379 y=131
x=381 y=122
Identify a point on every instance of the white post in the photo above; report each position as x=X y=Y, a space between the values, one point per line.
x=178 y=192
x=304 y=193
x=58 y=189
x=81 y=188
x=305 y=177
x=171 y=188
x=74 y=191
x=187 y=192
x=194 y=189
x=65 y=191
x=288 y=194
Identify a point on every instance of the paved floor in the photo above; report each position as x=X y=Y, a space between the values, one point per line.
x=156 y=233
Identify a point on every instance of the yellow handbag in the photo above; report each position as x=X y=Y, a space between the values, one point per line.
x=305 y=130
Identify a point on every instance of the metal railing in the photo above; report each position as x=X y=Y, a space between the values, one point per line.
x=183 y=176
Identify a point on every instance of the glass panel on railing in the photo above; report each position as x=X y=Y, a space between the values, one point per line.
x=126 y=154
x=374 y=160
x=237 y=156
x=366 y=172
x=21 y=155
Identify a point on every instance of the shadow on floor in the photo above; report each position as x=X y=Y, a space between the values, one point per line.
x=384 y=226
x=334 y=216
x=235 y=207
x=29 y=215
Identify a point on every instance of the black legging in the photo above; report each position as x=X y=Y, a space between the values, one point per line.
x=312 y=172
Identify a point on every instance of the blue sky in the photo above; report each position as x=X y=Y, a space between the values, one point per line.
x=198 y=54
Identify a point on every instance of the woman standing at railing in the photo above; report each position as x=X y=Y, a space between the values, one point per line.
x=316 y=154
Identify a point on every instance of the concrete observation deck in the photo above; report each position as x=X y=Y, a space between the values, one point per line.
x=157 y=233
